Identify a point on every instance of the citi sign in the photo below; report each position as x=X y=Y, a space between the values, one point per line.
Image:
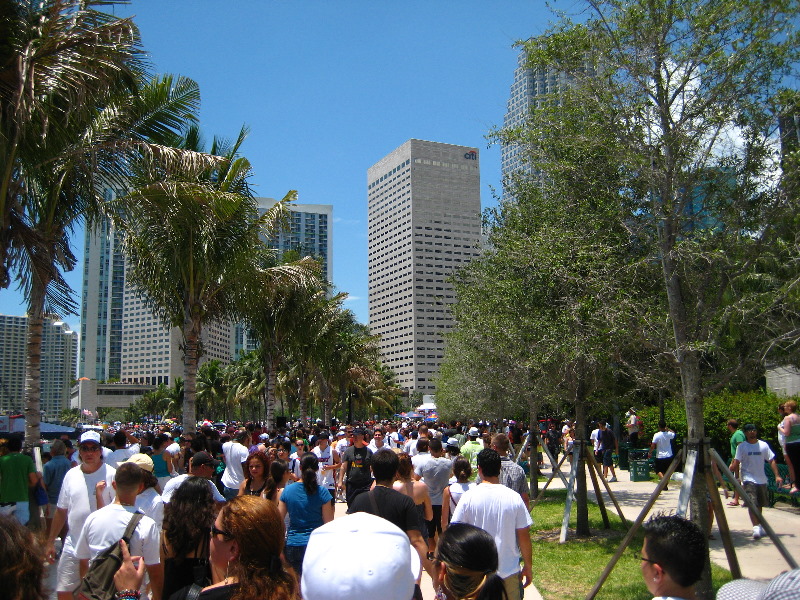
x=471 y=155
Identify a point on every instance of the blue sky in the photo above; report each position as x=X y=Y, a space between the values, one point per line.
x=329 y=88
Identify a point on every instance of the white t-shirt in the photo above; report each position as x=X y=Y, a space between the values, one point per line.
x=78 y=497
x=662 y=441
x=150 y=503
x=595 y=437
x=121 y=455
x=175 y=482
x=107 y=526
x=325 y=457
x=500 y=511
x=235 y=454
x=752 y=458
x=634 y=422
x=372 y=446
x=419 y=459
x=174 y=450
x=411 y=447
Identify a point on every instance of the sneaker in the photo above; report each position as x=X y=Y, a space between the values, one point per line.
x=762 y=531
x=612 y=480
x=757 y=532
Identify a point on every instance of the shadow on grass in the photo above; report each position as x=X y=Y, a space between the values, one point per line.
x=570 y=570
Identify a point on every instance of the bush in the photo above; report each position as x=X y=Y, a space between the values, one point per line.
x=758 y=407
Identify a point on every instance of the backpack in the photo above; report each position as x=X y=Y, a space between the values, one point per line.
x=99 y=581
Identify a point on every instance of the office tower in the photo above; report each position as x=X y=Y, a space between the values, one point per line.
x=309 y=233
x=57 y=370
x=424 y=222
x=530 y=88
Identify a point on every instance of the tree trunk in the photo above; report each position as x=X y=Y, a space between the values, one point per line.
x=581 y=500
x=33 y=367
x=270 y=370
x=191 y=336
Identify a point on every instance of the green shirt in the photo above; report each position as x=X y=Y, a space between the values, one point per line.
x=14 y=481
x=737 y=438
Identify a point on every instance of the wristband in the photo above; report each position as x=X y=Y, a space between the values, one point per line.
x=127 y=595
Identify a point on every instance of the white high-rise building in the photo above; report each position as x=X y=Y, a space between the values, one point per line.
x=310 y=233
x=57 y=370
x=530 y=88
x=424 y=222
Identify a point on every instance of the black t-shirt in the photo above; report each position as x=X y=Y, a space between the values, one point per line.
x=359 y=459
x=606 y=439
x=553 y=437
x=393 y=506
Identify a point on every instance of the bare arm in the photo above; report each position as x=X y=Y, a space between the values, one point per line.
x=415 y=537
x=526 y=549
x=445 y=508
x=327 y=512
x=156 y=574
x=774 y=466
x=83 y=567
x=428 y=506
x=55 y=527
x=282 y=509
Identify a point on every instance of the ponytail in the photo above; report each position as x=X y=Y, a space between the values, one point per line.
x=309 y=466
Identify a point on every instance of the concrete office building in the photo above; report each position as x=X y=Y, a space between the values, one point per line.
x=424 y=221
x=57 y=371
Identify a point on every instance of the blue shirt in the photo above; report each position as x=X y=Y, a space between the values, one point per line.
x=305 y=513
x=54 y=471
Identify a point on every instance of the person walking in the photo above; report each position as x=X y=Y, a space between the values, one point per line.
x=17 y=476
x=500 y=511
x=354 y=474
x=790 y=428
x=749 y=460
x=608 y=445
x=235 y=453
x=662 y=444
x=737 y=437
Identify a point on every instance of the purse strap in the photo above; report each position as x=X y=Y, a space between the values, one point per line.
x=137 y=516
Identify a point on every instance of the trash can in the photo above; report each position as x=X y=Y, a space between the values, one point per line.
x=640 y=470
x=624 y=447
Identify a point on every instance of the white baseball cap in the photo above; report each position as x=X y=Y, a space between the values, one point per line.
x=90 y=436
x=388 y=565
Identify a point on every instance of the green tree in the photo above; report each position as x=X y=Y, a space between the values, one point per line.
x=64 y=136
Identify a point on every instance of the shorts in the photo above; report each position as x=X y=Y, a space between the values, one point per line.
x=435 y=524
x=757 y=493
x=69 y=573
x=662 y=464
x=608 y=458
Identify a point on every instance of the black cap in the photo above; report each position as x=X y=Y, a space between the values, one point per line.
x=204 y=458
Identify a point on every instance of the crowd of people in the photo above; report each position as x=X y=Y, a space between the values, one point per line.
x=243 y=513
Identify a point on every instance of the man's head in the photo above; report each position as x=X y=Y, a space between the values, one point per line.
x=423 y=444
x=384 y=465
x=473 y=433
x=90 y=451
x=674 y=550
x=662 y=425
x=751 y=432
x=733 y=425
x=489 y=463
x=377 y=435
x=14 y=443
x=203 y=465
x=128 y=480
x=120 y=439
x=436 y=446
x=501 y=444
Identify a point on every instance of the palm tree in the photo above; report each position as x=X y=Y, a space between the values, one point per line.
x=193 y=241
x=74 y=111
x=211 y=387
x=246 y=382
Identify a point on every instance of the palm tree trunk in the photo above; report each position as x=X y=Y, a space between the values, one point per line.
x=271 y=371
x=33 y=365
x=191 y=336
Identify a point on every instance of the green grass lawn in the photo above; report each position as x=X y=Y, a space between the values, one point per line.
x=570 y=570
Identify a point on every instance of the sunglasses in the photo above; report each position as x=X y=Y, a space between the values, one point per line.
x=216 y=531
x=89 y=448
x=638 y=556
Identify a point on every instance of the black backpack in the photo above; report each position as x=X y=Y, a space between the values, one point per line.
x=99 y=581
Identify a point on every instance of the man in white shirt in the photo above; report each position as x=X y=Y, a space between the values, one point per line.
x=235 y=454
x=85 y=489
x=422 y=454
x=500 y=511
x=662 y=444
x=750 y=457
x=377 y=441
x=122 y=451
x=202 y=465
x=328 y=463
x=107 y=525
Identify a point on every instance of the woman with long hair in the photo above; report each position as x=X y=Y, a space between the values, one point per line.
x=247 y=539
x=416 y=490
x=255 y=475
x=308 y=506
x=462 y=471
x=184 y=537
x=279 y=476
x=466 y=564
x=21 y=562
x=790 y=428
